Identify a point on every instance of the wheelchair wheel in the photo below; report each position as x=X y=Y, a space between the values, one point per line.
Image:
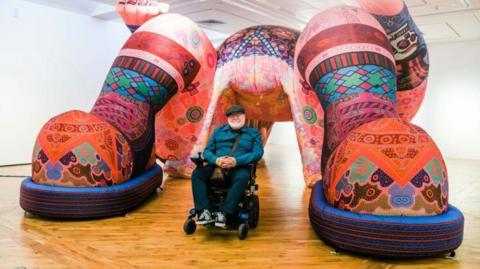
x=254 y=213
x=242 y=231
x=189 y=226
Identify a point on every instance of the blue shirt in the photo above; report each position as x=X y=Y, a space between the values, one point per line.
x=249 y=148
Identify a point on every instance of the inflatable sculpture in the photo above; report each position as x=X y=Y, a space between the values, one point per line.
x=255 y=69
x=351 y=81
x=384 y=189
x=102 y=163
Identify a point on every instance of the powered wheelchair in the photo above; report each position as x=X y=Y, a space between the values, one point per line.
x=248 y=209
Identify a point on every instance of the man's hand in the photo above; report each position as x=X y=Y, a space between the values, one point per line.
x=226 y=162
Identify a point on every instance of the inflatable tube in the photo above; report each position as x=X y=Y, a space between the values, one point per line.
x=88 y=202
x=387 y=236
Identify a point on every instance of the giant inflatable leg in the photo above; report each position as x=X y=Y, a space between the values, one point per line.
x=383 y=169
x=114 y=142
x=116 y=139
x=352 y=71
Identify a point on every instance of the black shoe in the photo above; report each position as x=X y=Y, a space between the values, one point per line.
x=221 y=220
x=205 y=218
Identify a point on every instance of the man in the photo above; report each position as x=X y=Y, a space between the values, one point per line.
x=249 y=149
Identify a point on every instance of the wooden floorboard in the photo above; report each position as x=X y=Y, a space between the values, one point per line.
x=152 y=235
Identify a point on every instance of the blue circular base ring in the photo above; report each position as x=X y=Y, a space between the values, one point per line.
x=385 y=236
x=88 y=202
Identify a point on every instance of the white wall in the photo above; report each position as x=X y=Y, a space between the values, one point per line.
x=450 y=112
x=51 y=61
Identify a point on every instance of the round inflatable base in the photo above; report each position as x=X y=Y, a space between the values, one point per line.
x=88 y=202
x=385 y=236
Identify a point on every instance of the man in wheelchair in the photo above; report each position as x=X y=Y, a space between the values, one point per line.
x=232 y=147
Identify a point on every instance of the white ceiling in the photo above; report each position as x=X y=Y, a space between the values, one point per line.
x=439 y=20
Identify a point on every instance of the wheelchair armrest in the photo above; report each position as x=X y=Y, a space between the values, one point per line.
x=198 y=161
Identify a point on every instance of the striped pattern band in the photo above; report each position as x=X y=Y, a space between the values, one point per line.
x=340 y=35
x=349 y=59
x=167 y=49
x=147 y=69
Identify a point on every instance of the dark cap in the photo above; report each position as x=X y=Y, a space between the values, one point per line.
x=235 y=109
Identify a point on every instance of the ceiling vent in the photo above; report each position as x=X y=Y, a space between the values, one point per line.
x=210 y=22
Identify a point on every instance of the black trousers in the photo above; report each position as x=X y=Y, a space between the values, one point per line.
x=239 y=177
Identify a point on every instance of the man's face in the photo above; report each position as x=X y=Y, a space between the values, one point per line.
x=236 y=120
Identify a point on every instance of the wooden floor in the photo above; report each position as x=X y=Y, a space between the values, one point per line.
x=152 y=235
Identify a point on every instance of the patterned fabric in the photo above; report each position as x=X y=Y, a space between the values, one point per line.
x=408 y=102
x=80 y=150
x=347 y=113
x=355 y=79
x=274 y=41
x=262 y=80
x=387 y=236
x=387 y=167
x=146 y=70
x=166 y=49
x=88 y=202
x=145 y=86
x=409 y=49
x=343 y=35
x=348 y=63
x=130 y=83
x=156 y=64
x=179 y=123
x=361 y=58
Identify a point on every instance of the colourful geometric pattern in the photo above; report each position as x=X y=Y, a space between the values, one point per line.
x=148 y=70
x=387 y=167
x=356 y=79
x=409 y=101
x=129 y=100
x=128 y=115
x=403 y=33
x=80 y=150
x=350 y=59
x=118 y=142
x=349 y=112
x=130 y=83
x=275 y=41
x=179 y=123
x=411 y=55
